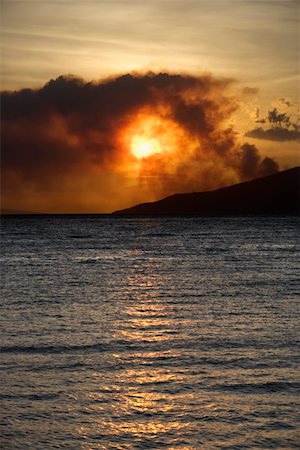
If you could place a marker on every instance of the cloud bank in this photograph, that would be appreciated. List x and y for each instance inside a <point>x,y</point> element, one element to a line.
<point>279,134</point>
<point>281,127</point>
<point>66,147</point>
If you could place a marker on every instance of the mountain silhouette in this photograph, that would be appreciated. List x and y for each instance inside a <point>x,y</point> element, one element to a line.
<point>270,195</point>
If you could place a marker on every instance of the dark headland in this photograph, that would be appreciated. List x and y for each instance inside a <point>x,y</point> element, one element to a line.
<point>274,194</point>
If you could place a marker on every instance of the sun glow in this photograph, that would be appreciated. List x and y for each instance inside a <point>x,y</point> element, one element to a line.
<point>143,147</point>
<point>152,144</point>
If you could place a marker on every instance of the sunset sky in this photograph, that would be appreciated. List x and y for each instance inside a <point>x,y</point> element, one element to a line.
<point>221,104</point>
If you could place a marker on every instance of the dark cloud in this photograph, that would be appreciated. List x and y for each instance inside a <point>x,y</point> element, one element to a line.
<point>268,166</point>
<point>281,127</point>
<point>65,146</point>
<point>277,118</point>
<point>252,164</point>
<point>274,134</point>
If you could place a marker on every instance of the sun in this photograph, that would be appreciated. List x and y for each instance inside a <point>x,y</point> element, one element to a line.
<point>143,147</point>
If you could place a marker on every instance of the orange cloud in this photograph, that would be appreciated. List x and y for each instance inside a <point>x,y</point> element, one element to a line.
<point>73,146</point>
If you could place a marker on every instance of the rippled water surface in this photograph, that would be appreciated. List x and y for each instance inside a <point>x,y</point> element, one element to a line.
<point>149,333</point>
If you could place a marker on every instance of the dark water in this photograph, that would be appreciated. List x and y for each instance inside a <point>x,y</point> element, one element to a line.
<point>149,333</point>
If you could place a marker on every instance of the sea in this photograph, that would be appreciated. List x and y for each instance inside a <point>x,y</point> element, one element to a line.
<point>149,332</point>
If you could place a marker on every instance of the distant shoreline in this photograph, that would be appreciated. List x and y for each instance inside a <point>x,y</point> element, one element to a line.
<point>273,195</point>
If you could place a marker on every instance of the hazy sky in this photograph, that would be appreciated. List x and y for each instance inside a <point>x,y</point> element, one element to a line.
<point>254,42</point>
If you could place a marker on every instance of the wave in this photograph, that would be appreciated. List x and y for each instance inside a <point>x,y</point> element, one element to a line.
<point>33,349</point>
<point>268,387</point>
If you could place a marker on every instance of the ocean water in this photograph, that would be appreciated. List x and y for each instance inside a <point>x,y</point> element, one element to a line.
<point>149,333</point>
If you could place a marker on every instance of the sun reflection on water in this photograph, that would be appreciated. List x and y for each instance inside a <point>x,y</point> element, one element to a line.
<point>158,386</point>
<point>143,406</point>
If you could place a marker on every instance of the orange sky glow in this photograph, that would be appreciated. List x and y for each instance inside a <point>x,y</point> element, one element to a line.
<point>185,97</point>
